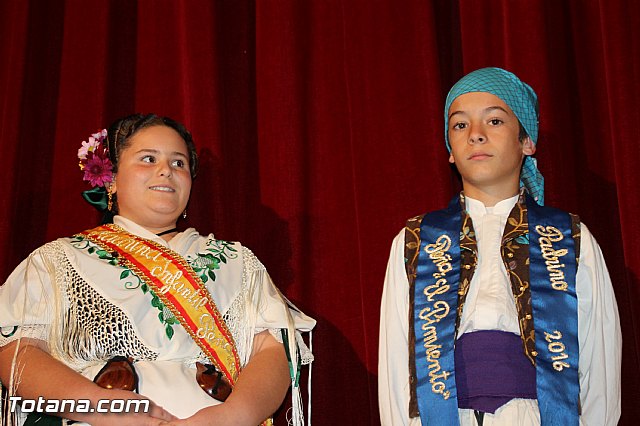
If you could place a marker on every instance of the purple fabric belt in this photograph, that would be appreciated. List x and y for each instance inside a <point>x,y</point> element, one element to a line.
<point>491,370</point>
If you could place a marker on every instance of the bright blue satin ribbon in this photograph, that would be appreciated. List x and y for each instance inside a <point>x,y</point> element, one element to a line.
<point>435,331</point>
<point>555,314</point>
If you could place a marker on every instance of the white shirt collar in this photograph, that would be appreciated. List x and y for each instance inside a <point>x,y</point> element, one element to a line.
<point>138,230</point>
<point>134,228</point>
<point>503,208</point>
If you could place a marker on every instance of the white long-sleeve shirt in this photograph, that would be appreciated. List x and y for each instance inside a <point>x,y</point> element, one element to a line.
<point>490,306</point>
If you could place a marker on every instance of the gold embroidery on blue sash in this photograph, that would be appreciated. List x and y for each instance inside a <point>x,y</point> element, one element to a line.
<point>552,257</point>
<point>432,315</point>
<point>556,347</point>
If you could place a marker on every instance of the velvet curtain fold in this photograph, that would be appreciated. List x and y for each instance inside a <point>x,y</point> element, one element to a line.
<point>320,129</point>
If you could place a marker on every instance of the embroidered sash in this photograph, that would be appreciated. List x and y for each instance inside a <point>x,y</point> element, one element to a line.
<point>552,272</point>
<point>180,289</point>
<point>555,314</point>
<point>435,307</point>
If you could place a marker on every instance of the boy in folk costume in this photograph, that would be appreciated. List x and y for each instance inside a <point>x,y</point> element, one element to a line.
<point>497,310</point>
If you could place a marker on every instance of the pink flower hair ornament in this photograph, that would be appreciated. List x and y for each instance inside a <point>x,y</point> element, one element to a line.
<point>97,169</point>
<point>94,160</point>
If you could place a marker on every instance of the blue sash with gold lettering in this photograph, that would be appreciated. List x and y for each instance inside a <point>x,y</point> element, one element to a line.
<point>554,301</point>
<point>435,305</point>
<point>554,304</point>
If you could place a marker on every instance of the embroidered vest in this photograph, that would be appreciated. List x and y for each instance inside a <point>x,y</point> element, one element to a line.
<point>515,250</point>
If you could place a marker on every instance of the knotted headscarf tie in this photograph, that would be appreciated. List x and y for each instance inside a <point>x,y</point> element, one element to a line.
<point>522,100</point>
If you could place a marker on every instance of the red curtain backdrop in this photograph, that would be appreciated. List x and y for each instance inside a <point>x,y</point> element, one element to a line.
<point>320,129</point>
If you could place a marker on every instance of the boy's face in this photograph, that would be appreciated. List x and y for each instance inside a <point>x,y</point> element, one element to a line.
<point>483,133</point>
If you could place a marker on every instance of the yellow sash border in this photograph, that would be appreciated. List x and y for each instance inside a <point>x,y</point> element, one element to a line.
<point>191,303</point>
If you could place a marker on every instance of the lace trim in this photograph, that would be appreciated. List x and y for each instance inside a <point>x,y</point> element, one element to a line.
<point>91,328</point>
<point>306,356</point>
<point>251,265</point>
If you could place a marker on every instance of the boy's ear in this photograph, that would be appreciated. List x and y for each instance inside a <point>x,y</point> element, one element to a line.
<point>528,147</point>
<point>451,159</point>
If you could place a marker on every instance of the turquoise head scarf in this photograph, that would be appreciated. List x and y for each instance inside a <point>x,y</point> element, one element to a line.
<point>522,100</point>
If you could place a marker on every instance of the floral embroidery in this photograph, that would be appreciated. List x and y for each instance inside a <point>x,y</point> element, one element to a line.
<point>467,233</point>
<point>131,281</point>
<point>205,263</point>
<point>411,253</point>
<point>81,243</point>
<point>468,260</point>
<point>515,254</point>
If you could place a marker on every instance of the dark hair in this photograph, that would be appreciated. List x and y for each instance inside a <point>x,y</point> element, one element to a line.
<point>121,131</point>
<point>522,133</point>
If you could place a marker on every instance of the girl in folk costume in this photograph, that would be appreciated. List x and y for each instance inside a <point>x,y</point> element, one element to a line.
<point>189,327</point>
